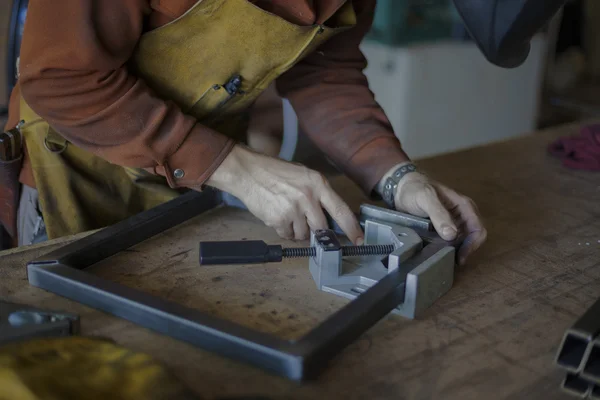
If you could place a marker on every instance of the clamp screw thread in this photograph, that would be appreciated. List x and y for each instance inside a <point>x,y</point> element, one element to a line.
<point>347,251</point>
<point>299,252</point>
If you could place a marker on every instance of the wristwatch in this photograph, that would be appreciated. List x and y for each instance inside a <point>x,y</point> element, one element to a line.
<point>391,183</point>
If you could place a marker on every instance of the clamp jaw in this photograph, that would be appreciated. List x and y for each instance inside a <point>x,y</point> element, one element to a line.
<point>350,276</point>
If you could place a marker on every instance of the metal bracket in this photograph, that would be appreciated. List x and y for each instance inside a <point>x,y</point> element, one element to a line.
<point>64,272</point>
<point>20,322</point>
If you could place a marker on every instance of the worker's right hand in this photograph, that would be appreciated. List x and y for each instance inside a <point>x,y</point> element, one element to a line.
<point>286,196</point>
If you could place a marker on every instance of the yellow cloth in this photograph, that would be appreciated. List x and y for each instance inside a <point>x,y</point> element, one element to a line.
<point>83,368</point>
<point>188,61</point>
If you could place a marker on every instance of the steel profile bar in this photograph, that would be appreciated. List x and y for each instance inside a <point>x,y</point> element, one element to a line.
<point>63,272</point>
<point>576,386</point>
<point>591,363</point>
<point>573,349</point>
<point>595,393</point>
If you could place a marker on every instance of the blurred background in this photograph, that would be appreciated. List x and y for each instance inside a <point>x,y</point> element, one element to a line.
<point>435,86</point>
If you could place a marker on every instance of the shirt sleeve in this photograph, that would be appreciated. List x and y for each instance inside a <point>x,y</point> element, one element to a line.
<point>73,73</point>
<point>336,108</point>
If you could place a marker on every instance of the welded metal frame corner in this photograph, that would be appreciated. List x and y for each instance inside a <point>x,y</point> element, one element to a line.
<point>63,272</point>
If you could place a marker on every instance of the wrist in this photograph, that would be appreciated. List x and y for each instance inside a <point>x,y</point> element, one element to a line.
<point>227,176</point>
<point>389,185</point>
<point>380,185</point>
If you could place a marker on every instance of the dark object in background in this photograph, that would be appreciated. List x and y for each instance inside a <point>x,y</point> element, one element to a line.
<point>580,151</point>
<point>5,239</point>
<point>503,29</point>
<point>12,20</point>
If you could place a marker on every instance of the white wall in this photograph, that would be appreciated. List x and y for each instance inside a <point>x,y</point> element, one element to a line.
<point>445,96</point>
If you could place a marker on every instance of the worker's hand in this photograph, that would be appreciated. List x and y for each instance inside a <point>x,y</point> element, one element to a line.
<point>452,214</point>
<point>286,196</point>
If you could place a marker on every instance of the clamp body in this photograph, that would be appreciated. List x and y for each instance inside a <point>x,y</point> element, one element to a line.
<point>350,276</point>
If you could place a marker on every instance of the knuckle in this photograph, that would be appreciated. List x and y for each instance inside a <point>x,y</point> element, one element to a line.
<point>304,197</point>
<point>277,222</point>
<point>484,235</point>
<point>468,201</point>
<point>318,178</point>
<point>427,192</point>
<point>301,235</point>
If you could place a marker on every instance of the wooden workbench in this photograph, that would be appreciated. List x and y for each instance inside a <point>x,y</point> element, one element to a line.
<point>494,336</point>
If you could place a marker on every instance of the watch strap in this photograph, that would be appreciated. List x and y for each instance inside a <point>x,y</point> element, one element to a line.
<point>391,183</point>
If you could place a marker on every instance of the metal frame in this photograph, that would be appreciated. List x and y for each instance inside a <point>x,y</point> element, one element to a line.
<point>63,272</point>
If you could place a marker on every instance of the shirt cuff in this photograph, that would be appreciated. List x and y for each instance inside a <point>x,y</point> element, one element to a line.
<point>196,159</point>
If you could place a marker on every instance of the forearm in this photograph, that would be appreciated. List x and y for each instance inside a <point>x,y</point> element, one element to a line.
<point>337,110</point>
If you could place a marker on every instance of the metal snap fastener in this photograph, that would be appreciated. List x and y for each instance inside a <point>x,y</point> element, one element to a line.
<point>178,173</point>
<point>52,148</point>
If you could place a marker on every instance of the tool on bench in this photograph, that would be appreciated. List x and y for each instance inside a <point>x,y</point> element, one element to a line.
<point>579,355</point>
<point>391,239</point>
<point>20,322</point>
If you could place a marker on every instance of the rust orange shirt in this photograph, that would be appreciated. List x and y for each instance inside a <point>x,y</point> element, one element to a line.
<point>73,73</point>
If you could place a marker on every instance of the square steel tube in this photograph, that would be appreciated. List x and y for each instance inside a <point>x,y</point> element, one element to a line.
<point>63,272</point>
<point>577,341</point>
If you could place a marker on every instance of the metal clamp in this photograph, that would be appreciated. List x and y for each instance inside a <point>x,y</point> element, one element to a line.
<point>350,277</point>
<point>20,322</point>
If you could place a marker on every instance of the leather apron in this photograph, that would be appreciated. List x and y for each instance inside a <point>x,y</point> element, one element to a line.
<point>193,61</point>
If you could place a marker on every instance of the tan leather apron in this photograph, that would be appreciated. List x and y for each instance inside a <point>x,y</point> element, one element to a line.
<point>213,61</point>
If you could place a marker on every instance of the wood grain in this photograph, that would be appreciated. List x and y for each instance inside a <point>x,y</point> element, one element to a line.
<point>493,336</point>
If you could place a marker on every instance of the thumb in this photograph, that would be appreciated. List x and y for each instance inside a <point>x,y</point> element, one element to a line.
<point>439,215</point>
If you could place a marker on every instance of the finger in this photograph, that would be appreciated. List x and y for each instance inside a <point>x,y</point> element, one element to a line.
<point>285,232</point>
<point>301,230</point>
<point>315,217</point>
<point>439,214</point>
<point>468,214</point>
<point>342,214</point>
<point>477,234</point>
<point>472,242</point>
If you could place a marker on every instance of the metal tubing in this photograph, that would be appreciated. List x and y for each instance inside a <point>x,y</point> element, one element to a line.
<point>346,325</point>
<point>576,386</point>
<point>595,394</point>
<point>573,348</point>
<point>183,323</point>
<point>383,214</point>
<point>131,231</point>
<point>591,364</point>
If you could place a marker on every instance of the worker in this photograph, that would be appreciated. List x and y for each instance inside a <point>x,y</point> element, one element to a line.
<point>127,103</point>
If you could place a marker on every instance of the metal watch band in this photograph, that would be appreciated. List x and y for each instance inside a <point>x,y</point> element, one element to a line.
<point>391,183</point>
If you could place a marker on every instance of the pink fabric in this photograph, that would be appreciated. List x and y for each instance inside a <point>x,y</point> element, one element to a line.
<point>580,151</point>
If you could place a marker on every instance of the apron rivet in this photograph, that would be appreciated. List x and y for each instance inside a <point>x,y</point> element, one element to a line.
<point>178,173</point>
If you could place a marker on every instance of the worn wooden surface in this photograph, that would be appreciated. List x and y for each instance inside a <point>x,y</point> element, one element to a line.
<point>493,336</point>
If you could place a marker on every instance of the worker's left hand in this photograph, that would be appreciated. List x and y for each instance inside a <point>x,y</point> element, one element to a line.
<point>452,214</point>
